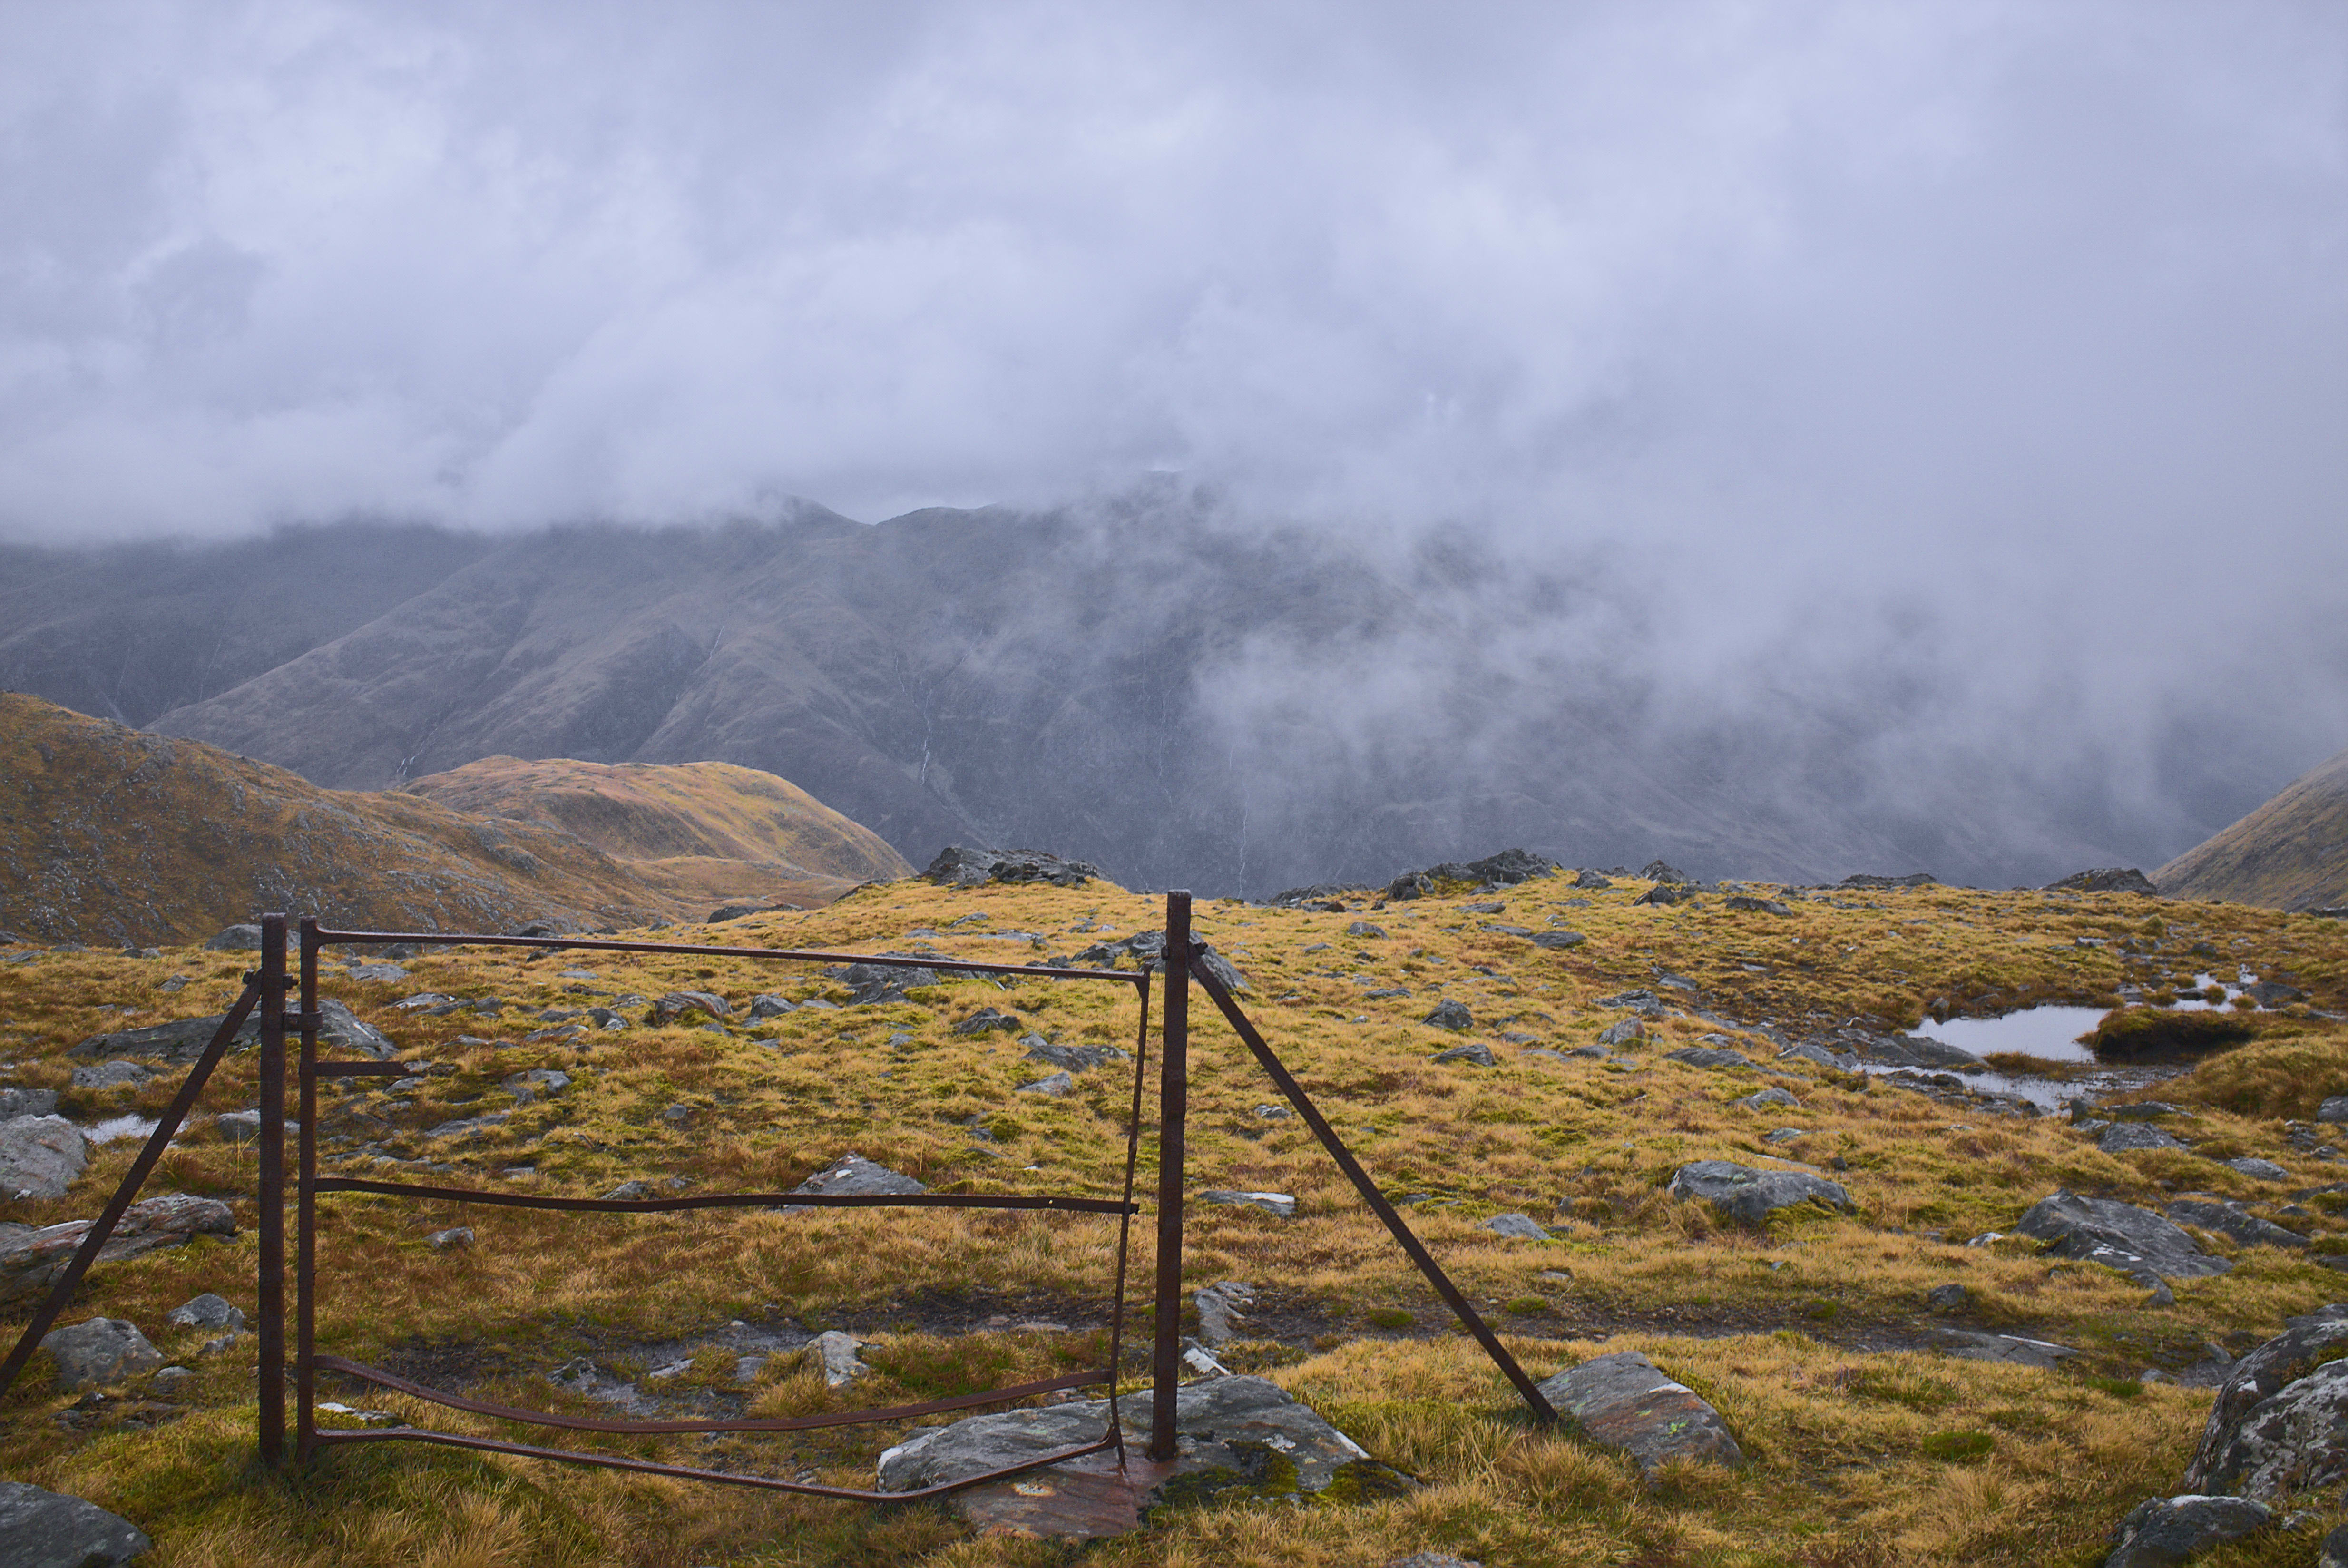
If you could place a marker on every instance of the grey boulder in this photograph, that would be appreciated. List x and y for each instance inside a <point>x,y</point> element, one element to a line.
<point>2258,1170</point>
<point>100,1351</point>
<point>182,1040</point>
<point>50,1529</point>
<point>1748,1196</point>
<point>2121,1137</point>
<point>1280,1204</point>
<point>235,939</point>
<point>1056,1085</point>
<point>40,1155</point>
<point>676,1005</point>
<point>1704,1056</point>
<point>1624,1400</point>
<point>2266,1415</point>
<point>1220,1309</point>
<point>16,1102</point>
<point>2118,1235</point>
<point>1450,1015</point>
<point>1621,1032</point>
<point>2162,1531</point>
<point>2226,1220</point>
<point>111,1074</point>
<point>1517,1227</point>
<point>1764,1099</point>
<point>852,1175</point>
<point>1073,1058</point>
<point>31,1261</point>
<point>533,1082</point>
<point>206,1310</point>
<point>832,1356</point>
<point>1475,1053</point>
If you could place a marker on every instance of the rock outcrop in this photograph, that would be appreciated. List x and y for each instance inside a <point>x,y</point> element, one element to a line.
<point>1749,1197</point>
<point>1625,1401</point>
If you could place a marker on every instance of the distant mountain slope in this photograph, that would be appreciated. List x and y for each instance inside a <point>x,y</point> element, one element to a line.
<point>690,821</point>
<point>111,835</point>
<point>2289,854</point>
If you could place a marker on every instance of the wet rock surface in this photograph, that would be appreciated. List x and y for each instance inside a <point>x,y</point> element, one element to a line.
<point>31,1259</point>
<point>1749,1197</point>
<point>2118,1235</point>
<point>42,1529</point>
<point>1626,1401</point>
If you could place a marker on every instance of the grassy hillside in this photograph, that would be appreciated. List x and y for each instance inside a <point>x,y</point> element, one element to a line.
<point>2289,854</point>
<point>110,835</point>
<point>1811,1336</point>
<point>697,828</point>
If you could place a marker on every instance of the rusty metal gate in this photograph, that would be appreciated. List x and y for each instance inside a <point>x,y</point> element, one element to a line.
<point>266,989</point>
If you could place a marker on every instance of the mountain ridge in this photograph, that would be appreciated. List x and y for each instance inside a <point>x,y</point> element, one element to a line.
<point>2291,853</point>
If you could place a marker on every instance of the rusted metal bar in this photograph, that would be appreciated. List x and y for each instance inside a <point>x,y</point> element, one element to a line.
<point>305,1223</point>
<point>730,1200</point>
<point>686,1473</point>
<point>1173,1100</point>
<point>271,1290</point>
<point>1125,1220</point>
<point>166,1127</point>
<point>607,944</point>
<point>1384,1210</point>
<point>399,1384</point>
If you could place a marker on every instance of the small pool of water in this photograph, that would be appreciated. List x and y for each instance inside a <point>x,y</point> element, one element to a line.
<point>116,1127</point>
<point>2050,1032</point>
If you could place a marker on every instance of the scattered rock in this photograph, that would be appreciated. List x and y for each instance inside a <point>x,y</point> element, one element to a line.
<point>1276,1204</point>
<point>1516,1228</point>
<point>16,1102</point>
<point>244,1127</point>
<point>1767,1097</point>
<point>1704,1056</point>
<point>2118,1235</point>
<point>1559,939</point>
<point>1219,1307</point>
<point>1475,1054</point>
<point>180,1041</point>
<point>1364,928</point>
<point>1811,1051</point>
<point>676,1005</point>
<point>1624,1400</point>
<point>30,1261</point>
<point>1274,1113</point>
<point>987,1018</point>
<point>1886,885</point>
<point>1230,1432</point>
<point>1506,869</point>
<point>1662,871</point>
<point>957,866</point>
<point>1449,1015</point>
<point>2274,994</point>
<point>235,939</point>
<point>1073,1058</point>
<point>2010,1348</point>
<point>1056,1085</point>
<point>1664,892</point>
<point>2121,1137</point>
<point>1587,878</point>
<point>40,1155</point>
<point>1949,1297</point>
<point>2334,1109</point>
<point>100,1351</point>
<point>1621,1032</point>
<point>449,1240</point>
<point>463,1127</point>
<point>635,1192</point>
<point>206,1310</point>
<point>852,1175</point>
<point>2161,1531</point>
<point>1758,905</point>
<point>2335,1545</point>
<point>2141,1111</point>
<point>2258,1170</point>
<point>1747,1196</point>
<point>533,1082</point>
<point>2230,1222</point>
<point>109,1075</point>
<point>1783,1134</point>
<point>50,1529</point>
<point>833,1355</point>
<point>725,912</point>
<point>2105,878</point>
<point>766,1005</point>
<point>677,1115</point>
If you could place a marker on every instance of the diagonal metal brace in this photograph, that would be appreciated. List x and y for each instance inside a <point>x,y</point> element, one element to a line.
<point>1542,1410</point>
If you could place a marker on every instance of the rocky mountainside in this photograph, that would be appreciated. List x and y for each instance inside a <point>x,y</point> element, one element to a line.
<point>1149,685</point>
<point>109,835</point>
<point>2289,854</point>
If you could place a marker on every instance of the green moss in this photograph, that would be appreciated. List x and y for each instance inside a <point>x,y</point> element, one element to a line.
<point>1959,1447</point>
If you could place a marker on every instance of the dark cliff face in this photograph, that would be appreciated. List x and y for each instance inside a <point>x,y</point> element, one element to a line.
<point>1148,686</point>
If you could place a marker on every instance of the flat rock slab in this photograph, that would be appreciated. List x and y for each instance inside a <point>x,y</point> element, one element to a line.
<point>2118,1236</point>
<point>2010,1348</point>
<point>1747,1196</point>
<point>1239,1437</point>
<point>38,1529</point>
<point>31,1260</point>
<point>2227,1221</point>
<point>40,1155</point>
<point>2121,1137</point>
<point>182,1040</point>
<point>1704,1056</point>
<point>1626,1401</point>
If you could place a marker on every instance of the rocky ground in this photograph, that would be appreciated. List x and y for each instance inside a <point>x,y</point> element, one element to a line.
<point>1632,1115</point>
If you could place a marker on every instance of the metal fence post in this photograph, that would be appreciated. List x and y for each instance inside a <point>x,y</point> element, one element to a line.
<point>271,1285</point>
<point>305,1207</point>
<point>1173,1100</point>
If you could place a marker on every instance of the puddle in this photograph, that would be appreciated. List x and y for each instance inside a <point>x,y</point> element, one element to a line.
<point>2052,1033</point>
<point>2049,1032</point>
<point>114,1129</point>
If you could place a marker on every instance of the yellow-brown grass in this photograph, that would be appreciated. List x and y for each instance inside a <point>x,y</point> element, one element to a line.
<point>1859,1454</point>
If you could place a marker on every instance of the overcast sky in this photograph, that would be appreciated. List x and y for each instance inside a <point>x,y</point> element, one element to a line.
<point>2037,304</point>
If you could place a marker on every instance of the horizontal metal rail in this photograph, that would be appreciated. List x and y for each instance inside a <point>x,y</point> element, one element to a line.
<point>731,1200</point>
<point>607,944</point>
<point>686,1473</point>
<point>1002,1396</point>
